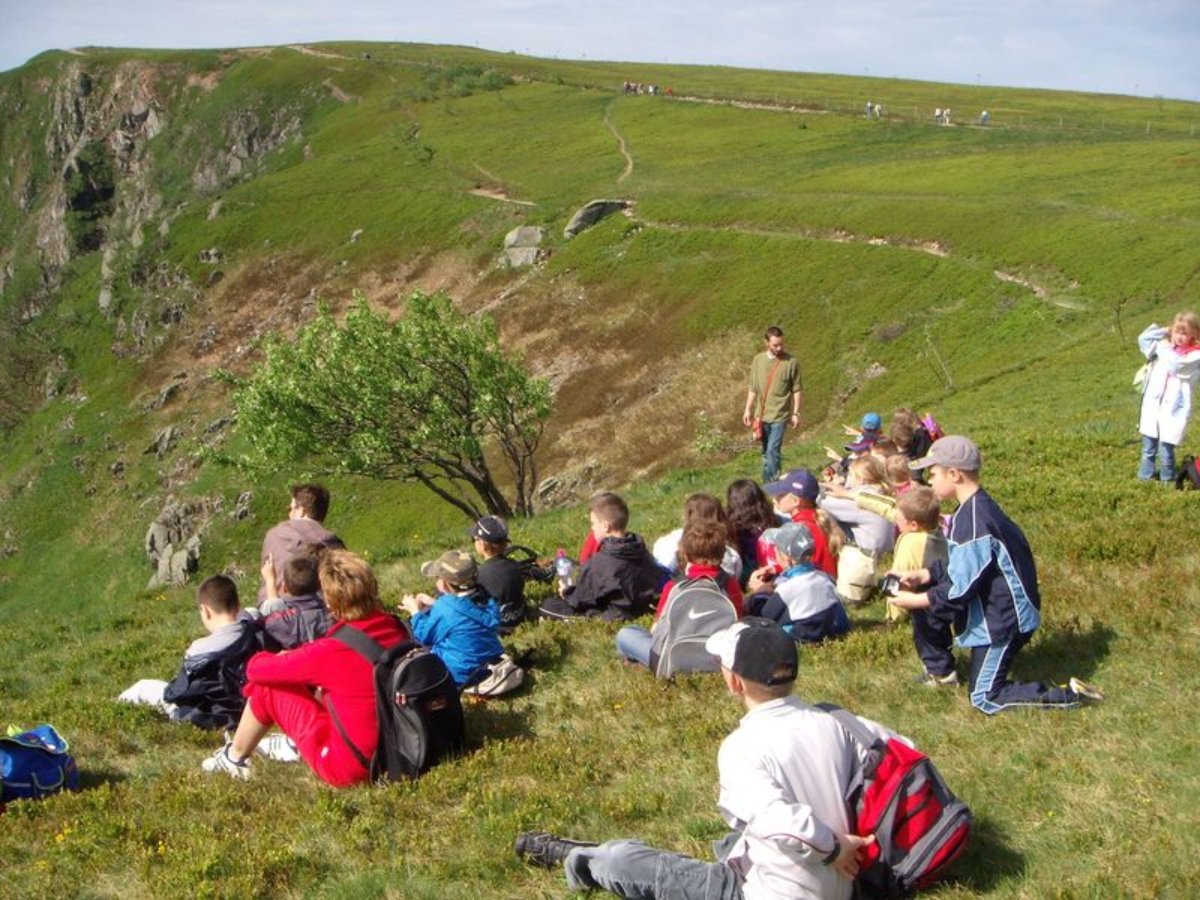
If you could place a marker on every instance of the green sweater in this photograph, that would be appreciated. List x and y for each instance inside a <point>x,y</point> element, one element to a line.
<point>786,382</point>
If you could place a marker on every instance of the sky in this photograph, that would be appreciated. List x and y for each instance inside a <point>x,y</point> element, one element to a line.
<point>1143,47</point>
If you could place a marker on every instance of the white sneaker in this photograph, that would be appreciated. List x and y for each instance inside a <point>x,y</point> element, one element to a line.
<point>222,761</point>
<point>1085,690</point>
<point>279,747</point>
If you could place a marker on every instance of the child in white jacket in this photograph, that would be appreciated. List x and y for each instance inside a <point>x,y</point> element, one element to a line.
<point>1174,364</point>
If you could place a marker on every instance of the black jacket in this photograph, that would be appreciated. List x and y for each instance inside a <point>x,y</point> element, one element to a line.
<point>619,581</point>
<point>303,619</point>
<point>208,689</point>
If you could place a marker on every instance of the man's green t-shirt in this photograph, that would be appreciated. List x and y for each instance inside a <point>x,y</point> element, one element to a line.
<point>786,382</point>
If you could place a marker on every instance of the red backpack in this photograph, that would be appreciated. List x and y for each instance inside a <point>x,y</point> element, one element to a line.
<point>920,827</point>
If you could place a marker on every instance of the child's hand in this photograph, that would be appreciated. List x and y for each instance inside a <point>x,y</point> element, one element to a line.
<point>850,432</point>
<point>909,600</point>
<point>761,580</point>
<point>414,603</point>
<point>846,863</point>
<point>913,578</point>
<point>268,576</point>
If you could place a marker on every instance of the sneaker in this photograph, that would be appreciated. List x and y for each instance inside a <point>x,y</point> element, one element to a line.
<point>221,761</point>
<point>930,680</point>
<point>540,848</point>
<point>1083,689</point>
<point>279,747</point>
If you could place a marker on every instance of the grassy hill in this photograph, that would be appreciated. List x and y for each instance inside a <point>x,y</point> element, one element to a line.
<point>994,275</point>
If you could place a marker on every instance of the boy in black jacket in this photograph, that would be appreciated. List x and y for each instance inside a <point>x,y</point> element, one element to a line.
<point>207,691</point>
<point>620,581</point>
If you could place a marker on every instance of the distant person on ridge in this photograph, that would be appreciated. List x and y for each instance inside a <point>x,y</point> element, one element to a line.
<point>303,526</point>
<point>773,399</point>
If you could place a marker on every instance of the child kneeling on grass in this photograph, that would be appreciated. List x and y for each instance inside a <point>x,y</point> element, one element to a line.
<point>208,689</point>
<point>987,590</point>
<point>784,776</point>
<point>304,690</point>
<point>461,624</point>
<point>703,548</point>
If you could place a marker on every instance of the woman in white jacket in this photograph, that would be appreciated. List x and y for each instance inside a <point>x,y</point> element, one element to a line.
<point>1174,358</point>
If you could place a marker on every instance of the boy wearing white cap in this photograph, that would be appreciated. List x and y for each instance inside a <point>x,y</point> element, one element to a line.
<point>784,774</point>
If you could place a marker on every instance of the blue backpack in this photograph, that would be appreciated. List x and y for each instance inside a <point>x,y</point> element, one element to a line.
<point>35,763</point>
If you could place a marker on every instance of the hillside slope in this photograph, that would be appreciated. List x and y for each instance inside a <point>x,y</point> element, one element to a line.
<point>159,211</point>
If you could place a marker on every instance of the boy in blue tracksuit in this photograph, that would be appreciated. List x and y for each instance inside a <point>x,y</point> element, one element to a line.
<point>461,625</point>
<point>988,592</point>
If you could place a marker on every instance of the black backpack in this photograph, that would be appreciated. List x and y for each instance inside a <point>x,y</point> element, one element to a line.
<point>416,702</point>
<point>1188,478</point>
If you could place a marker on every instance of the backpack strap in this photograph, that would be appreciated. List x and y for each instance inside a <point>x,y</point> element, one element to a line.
<point>370,649</point>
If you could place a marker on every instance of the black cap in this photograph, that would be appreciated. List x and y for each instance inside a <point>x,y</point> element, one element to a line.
<point>756,649</point>
<point>490,528</point>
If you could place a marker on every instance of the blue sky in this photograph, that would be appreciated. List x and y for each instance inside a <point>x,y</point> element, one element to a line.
<point>1147,47</point>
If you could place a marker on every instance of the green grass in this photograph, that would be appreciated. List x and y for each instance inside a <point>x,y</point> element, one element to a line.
<point>818,220</point>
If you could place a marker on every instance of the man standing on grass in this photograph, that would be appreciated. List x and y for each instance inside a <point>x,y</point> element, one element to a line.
<point>773,399</point>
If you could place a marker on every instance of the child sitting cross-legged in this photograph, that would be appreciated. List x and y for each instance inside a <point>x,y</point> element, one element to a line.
<point>703,547</point>
<point>461,624</point>
<point>803,599</point>
<point>207,691</point>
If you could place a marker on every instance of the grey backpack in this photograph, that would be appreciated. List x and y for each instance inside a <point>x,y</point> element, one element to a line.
<point>696,609</point>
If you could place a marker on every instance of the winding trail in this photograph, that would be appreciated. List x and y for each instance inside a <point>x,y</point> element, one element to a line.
<point>620,146</point>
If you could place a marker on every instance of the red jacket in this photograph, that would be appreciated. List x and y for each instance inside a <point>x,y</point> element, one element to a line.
<point>347,682</point>
<point>729,585</point>
<point>821,558</point>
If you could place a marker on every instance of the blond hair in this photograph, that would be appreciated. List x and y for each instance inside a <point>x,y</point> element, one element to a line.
<point>869,471</point>
<point>1188,319</point>
<point>897,468</point>
<point>350,589</point>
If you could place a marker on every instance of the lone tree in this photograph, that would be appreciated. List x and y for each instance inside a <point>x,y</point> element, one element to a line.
<point>428,398</point>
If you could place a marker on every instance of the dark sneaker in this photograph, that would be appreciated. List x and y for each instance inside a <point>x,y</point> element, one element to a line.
<point>935,681</point>
<point>1085,690</point>
<point>540,848</point>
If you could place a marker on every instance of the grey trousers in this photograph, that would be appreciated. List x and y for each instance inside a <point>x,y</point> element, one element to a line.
<point>631,869</point>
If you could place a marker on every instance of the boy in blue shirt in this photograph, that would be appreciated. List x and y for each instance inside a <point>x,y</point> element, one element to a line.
<point>460,624</point>
<point>988,591</point>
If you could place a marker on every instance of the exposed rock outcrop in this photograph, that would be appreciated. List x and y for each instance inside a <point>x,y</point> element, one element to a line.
<point>522,245</point>
<point>591,213</point>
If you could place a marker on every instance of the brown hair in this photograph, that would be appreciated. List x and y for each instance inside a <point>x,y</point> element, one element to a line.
<point>834,535</point>
<point>773,331</point>
<point>884,447</point>
<point>219,594</point>
<point>903,414</point>
<point>313,499</point>
<point>897,469</point>
<point>349,586</point>
<point>611,510</point>
<point>703,542</point>
<point>921,505</point>
<point>749,508</point>
<point>903,432</point>
<point>704,508</point>
<point>300,575</point>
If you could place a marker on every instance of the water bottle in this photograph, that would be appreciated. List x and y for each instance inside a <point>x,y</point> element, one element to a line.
<point>563,568</point>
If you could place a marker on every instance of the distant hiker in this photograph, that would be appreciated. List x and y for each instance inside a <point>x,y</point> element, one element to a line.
<point>878,110</point>
<point>870,108</point>
<point>499,577</point>
<point>1173,361</point>
<point>784,775</point>
<point>620,581</point>
<point>773,399</point>
<point>698,507</point>
<point>801,598</point>
<point>988,591</point>
<point>984,117</point>
<point>702,547</point>
<point>946,116</point>
<point>937,115</point>
<point>299,615</point>
<point>207,692</point>
<point>303,690</point>
<point>750,514</point>
<point>306,513</point>
<point>460,625</point>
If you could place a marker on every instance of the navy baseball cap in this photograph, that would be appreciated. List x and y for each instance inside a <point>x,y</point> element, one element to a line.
<point>800,482</point>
